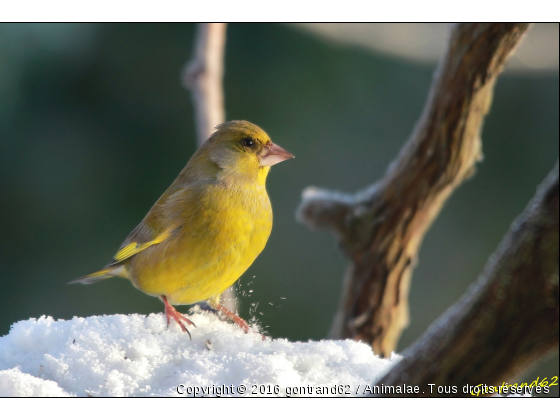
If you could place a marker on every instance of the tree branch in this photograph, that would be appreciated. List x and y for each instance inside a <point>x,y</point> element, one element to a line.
<point>204,75</point>
<point>381,228</point>
<point>507,320</point>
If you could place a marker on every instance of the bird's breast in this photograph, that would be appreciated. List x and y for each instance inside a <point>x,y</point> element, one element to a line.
<point>221,234</point>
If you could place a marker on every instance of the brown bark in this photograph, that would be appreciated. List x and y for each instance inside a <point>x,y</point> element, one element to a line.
<point>381,228</point>
<point>507,320</point>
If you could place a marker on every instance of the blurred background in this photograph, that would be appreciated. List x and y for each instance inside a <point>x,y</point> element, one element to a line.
<point>94,126</point>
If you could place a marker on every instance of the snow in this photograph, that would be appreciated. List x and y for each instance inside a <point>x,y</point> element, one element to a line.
<point>137,355</point>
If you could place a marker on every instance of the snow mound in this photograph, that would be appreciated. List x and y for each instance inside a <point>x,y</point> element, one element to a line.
<point>137,355</point>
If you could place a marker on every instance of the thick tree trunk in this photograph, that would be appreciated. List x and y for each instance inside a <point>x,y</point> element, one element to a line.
<point>381,228</point>
<point>506,321</point>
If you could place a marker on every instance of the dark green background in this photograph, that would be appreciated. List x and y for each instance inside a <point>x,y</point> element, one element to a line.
<point>94,126</point>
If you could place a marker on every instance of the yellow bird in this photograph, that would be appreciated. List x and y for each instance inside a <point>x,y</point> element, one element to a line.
<point>207,228</point>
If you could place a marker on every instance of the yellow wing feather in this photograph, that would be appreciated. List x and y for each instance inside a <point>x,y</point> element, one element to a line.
<point>116,268</point>
<point>134,248</point>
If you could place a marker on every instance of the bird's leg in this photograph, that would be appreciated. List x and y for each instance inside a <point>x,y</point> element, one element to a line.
<point>238,320</point>
<point>171,312</point>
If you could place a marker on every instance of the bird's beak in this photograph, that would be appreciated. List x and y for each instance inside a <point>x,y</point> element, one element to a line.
<point>273,154</point>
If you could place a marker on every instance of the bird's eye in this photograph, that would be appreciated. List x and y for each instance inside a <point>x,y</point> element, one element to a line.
<point>248,142</point>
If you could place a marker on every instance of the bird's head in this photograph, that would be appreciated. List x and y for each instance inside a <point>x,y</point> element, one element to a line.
<point>240,148</point>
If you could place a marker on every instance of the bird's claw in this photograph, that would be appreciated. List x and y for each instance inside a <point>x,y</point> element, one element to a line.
<point>171,312</point>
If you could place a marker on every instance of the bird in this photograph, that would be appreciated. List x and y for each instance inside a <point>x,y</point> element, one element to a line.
<point>207,228</point>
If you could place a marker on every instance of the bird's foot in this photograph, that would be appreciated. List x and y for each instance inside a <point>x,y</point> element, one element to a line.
<point>171,312</point>
<point>237,319</point>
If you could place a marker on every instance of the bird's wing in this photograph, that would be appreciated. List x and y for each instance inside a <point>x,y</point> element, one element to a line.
<point>158,225</point>
<point>136,242</point>
<point>129,249</point>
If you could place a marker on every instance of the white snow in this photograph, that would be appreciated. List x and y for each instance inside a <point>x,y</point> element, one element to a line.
<point>137,355</point>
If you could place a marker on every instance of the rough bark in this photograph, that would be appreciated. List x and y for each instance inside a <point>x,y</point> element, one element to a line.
<point>507,320</point>
<point>204,75</point>
<point>381,228</point>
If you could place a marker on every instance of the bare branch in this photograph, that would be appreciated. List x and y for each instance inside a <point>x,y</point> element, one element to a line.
<point>204,77</point>
<point>381,228</point>
<point>507,320</point>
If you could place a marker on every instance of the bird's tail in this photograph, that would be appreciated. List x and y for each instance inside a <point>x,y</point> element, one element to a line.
<point>103,274</point>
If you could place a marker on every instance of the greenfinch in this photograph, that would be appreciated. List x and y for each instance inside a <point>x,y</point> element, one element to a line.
<point>207,228</point>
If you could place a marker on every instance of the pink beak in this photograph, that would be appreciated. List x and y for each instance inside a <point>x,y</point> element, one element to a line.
<point>273,154</point>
